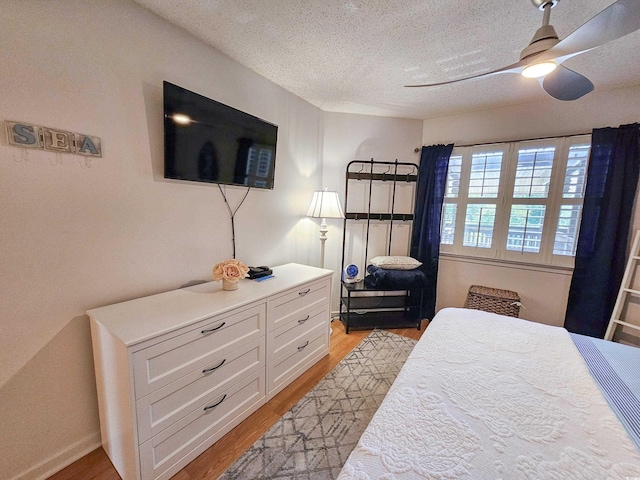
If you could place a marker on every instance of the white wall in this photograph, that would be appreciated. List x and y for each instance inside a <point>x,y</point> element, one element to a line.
<point>360,137</point>
<point>544,293</point>
<point>74,238</point>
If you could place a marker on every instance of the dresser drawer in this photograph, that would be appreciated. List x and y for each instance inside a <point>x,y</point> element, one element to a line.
<point>167,452</point>
<point>297,356</point>
<point>159,365</point>
<point>297,327</point>
<point>293,305</point>
<point>158,410</point>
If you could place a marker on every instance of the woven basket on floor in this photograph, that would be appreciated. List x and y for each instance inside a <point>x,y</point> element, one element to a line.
<point>495,300</point>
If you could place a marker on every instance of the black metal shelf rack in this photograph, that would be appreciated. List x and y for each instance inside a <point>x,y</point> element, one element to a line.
<point>363,307</point>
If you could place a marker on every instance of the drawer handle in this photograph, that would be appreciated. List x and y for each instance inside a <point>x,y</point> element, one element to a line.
<point>303,346</point>
<point>301,321</point>
<point>215,404</point>
<point>209,370</point>
<point>204,332</point>
<point>302,294</point>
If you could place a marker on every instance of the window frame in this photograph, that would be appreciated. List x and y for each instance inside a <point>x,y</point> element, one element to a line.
<point>504,201</point>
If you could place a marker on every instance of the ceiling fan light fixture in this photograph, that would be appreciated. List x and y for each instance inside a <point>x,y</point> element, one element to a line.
<point>538,70</point>
<point>540,4</point>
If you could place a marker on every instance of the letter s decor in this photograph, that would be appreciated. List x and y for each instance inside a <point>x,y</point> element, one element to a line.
<point>22,134</point>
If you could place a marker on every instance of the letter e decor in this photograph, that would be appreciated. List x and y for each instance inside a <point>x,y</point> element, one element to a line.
<point>21,134</point>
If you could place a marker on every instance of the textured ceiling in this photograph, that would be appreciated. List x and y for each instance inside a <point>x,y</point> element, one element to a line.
<point>355,56</point>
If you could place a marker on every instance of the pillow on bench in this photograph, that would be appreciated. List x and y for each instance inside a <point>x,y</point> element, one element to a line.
<point>396,262</point>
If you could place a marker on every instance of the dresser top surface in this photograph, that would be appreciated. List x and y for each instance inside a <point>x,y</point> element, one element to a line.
<point>144,318</point>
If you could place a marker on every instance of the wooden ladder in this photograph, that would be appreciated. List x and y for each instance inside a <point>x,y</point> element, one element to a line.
<point>625,291</point>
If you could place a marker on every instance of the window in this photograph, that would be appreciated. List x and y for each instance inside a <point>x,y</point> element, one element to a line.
<point>516,201</point>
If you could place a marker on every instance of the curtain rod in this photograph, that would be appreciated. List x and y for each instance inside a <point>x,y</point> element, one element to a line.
<point>417,149</point>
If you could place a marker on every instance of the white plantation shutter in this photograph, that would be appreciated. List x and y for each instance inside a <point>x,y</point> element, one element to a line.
<point>568,226</point>
<point>451,194</point>
<point>525,228</point>
<point>478,225</point>
<point>520,201</point>
<point>470,211</point>
<point>485,175</point>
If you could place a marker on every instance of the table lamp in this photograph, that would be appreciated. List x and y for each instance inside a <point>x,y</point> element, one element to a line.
<point>324,205</point>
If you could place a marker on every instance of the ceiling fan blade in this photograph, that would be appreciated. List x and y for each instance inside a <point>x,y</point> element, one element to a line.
<point>565,84</point>
<point>617,20</point>
<point>515,68</point>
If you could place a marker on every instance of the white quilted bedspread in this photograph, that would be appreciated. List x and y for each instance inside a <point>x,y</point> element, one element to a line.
<point>484,396</point>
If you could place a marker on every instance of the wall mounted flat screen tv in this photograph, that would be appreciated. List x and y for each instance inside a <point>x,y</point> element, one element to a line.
<point>207,141</point>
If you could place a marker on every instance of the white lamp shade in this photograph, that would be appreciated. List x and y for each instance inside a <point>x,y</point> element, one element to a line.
<point>325,205</point>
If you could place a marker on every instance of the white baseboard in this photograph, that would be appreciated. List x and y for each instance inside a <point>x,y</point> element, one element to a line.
<point>62,459</point>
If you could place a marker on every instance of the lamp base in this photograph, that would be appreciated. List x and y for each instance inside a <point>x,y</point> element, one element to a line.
<point>323,238</point>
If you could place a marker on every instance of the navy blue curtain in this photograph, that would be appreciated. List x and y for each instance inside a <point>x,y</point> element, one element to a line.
<point>612,180</point>
<point>425,238</point>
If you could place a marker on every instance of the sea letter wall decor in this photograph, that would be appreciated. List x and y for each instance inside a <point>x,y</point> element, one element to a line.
<point>21,134</point>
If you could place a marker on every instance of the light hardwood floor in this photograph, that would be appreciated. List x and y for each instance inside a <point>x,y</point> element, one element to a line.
<point>224,452</point>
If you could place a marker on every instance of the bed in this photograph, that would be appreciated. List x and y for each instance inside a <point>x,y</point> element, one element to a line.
<point>484,396</point>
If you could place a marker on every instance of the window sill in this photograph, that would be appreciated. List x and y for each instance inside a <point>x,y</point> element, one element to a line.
<point>560,270</point>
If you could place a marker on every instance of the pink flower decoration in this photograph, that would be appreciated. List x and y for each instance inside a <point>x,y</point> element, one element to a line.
<point>230,270</point>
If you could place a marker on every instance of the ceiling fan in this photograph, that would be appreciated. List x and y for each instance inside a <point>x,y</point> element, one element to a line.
<point>544,55</point>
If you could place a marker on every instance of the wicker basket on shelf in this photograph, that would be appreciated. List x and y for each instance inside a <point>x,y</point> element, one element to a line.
<point>495,300</point>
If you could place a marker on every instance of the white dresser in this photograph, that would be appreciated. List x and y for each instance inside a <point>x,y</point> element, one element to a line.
<point>178,370</point>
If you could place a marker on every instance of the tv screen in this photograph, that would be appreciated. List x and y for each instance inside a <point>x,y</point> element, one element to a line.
<point>207,141</point>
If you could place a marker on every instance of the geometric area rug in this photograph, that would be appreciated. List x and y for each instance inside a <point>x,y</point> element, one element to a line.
<point>314,438</point>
